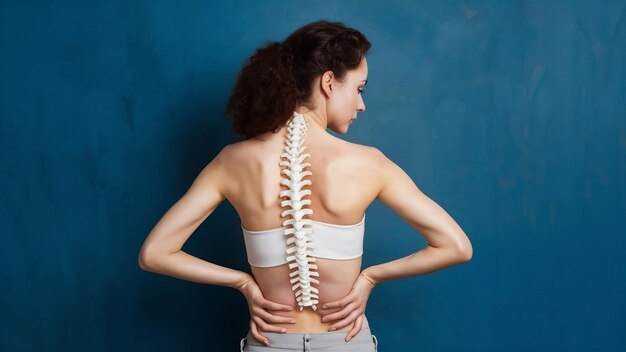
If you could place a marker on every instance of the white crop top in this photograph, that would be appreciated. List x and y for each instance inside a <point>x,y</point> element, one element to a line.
<point>268,248</point>
<point>299,241</point>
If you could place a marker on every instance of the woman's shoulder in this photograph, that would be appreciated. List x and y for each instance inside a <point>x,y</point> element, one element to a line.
<point>336,145</point>
<point>362,152</point>
<point>243,149</point>
<point>337,151</point>
<point>366,153</point>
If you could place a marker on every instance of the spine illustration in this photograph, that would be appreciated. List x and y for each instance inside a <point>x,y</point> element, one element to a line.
<point>300,240</point>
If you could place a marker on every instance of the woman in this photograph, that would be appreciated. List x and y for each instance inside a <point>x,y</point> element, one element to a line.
<point>301,195</point>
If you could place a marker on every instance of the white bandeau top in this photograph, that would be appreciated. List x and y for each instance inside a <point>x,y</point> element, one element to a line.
<point>267,248</point>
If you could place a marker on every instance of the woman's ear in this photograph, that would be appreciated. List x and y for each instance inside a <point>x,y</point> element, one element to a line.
<point>327,81</point>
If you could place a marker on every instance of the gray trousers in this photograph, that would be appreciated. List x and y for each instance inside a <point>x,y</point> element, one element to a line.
<point>364,341</point>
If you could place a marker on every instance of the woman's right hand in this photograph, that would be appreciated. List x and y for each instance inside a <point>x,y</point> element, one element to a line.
<point>259,308</point>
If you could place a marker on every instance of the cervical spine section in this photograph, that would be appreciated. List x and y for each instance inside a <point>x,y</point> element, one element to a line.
<point>298,230</point>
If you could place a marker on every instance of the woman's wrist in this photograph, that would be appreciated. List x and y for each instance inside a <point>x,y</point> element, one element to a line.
<point>242,283</point>
<point>369,278</point>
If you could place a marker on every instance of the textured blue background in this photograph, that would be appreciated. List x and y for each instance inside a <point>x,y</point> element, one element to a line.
<point>511,115</point>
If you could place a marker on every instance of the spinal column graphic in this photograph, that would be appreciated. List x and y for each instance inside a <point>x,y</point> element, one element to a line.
<point>298,230</point>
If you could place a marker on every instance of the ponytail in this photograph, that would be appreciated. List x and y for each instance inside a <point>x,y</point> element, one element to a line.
<point>264,96</point>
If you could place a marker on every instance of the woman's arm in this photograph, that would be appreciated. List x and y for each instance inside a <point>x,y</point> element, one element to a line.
<point>161,251</point>
<point>187,267</point>
<point>447,243</point>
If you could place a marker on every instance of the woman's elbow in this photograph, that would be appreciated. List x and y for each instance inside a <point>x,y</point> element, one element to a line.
<point>145,260</point>
<point>143,263</point>
<point>464,248</point>
<point>466,252</point>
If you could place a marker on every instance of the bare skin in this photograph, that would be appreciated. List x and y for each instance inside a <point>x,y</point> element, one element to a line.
<point>346,179</point>
<point>344,182</point>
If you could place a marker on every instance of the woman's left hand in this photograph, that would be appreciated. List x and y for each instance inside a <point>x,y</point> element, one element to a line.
<point>353,304</point>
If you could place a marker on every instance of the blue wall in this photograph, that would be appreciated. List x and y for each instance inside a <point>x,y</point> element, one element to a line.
<point>511,115</point>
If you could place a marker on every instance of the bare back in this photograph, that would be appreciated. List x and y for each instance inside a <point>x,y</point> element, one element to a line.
<point>344,183</point>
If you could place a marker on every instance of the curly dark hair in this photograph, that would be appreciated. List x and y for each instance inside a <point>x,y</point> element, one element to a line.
<point>279,76</point>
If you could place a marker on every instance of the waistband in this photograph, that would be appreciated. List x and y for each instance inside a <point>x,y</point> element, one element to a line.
<point>317,340</point>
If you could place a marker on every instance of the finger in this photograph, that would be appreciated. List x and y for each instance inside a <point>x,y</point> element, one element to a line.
<point>256,334</point>
<point>275,306</point>
<point>345,322</point>
<point>335,304</point>
<point>267,327</point>
<point>339,314</point>
<point>271,318</point>
<point>358,323</point>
